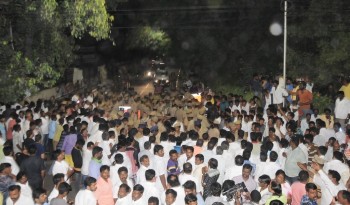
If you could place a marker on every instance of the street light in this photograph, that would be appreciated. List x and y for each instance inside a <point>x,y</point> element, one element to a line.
<point>285,43</point>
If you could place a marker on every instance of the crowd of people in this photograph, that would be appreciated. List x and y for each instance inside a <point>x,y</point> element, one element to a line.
<point>174,149</point>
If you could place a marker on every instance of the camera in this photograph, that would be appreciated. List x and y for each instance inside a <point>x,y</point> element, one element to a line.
<point>231,193</point>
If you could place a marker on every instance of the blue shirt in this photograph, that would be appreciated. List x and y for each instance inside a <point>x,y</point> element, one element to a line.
<point>52,129</point>
<point>94,168</point>
<point>307,201</point>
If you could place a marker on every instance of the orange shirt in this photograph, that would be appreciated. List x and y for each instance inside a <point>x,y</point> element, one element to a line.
<point>103,193</point>
<point>305,96</point>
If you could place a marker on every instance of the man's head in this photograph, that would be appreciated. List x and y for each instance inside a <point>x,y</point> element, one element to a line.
<point>173,180</point>
<point>150,175</point>
<point>311,190</point>
<point>39,196</point>
<point>213,163</point>
<point>104,172</point>
<point>215,189</point>
<point>173,155</point>
<point>145,160</point>
<point>334,176</point>
<point>137,192</point>
<point>123,174</point>
<point>64,188</point>
<point>189,152</point>
<point>153,201</point>
<point>190,187</point>
<point>191,199</point>
<point>303,176</point>
<point>5,168</point>
<point>187,168</point>
<point>58,178</point>
<point>343,197</point>
<point>246,170</point>
<point>14,192</point>
<point>158,150</point>
<point>170,196</point>
<point>199,159</point>
<point>97,152</point>
<point>90,184</point>
<point>58,155</point>
<point>124,190</point>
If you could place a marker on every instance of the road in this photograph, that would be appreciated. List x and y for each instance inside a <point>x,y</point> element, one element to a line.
<point>144,89</point>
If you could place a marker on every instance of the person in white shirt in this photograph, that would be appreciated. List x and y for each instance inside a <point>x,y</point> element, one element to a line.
<point>338,163</point>
<point>86,196</point>
<point>124,195</point>
<point>140,175</point>
<point>146,131</point>
<point>150,184</point>
<point>122,178</point>
<point>137,195</point>
<point>235,170</point>
<point>61,166</point>
<point>342,109</point>
<point>208,153</point>
<point>9,159</point>
<point>215,195</point>
<point>87,155</point>
<point>174,183</point>
<point>198,173</point>
<point>39,196</point>
<point>170,197</point>
<point>57,179</point>
<point>15,196</point>
<point>186,175</point>
<point>160,166</point>
<point>17,139</point>
<point>147,151</point>
<point>222,163</point>
<point>339,133</point>
<point>278,93</point>
<point>22,181</point>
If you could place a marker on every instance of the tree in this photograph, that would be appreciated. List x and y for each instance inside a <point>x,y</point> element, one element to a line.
<point>37,41</point>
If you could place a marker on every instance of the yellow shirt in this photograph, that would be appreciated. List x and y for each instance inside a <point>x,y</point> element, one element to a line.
<point>346,90</point>
<point>59,130</point>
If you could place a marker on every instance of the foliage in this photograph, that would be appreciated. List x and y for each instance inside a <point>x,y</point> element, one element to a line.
<point>319,40</point>
<point>147,38</point>
<point>226,89</point>
<point>321,102</point>
<point>41,45</point>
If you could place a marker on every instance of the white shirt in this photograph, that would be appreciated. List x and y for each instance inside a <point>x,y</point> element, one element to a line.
<point>87,155</point>
<point>208,154</point>
<point>221,167</point>
<point>124,201</point>
<point>17,139</point>
<point>140,201</point>
<point>85,197</point>
<point>278,94</point>
<point>293,157</point>
<point>61,167</point>
<point>141,174</point>
<point>150,190</point>
<point>340,136</point>
<point>14,166</point>
<point>183,178</point>
<point>53,194</point>
<point>45,125</point>
<point>342,108</point>
<point>116,186</point>
<point>26,190</point>
<point>233,172</point>
<point>338,166</point>
<point>160,167</point>
<point>22,200</point>
<point>96,137</point>
<point>142,141</point>
<point>179,198</point>
<point>329,190</point>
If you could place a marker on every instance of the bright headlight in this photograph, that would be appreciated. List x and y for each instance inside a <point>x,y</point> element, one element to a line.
<point>149,73</point>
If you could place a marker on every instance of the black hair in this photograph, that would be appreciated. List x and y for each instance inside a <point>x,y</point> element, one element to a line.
<point>190,198</point>
<point>7,150</point>
<point>157,148</point>
<point>150,174</point>
<point>143,158</point>
<point>139,187</point>
<point>334,174</point>
<point>89,144</point>
<point>280,172</point>
<point>173,180</point>
<point>228,184</point>
<point>239,160</point>
<point>153,200</point>
<point>190,148</point>
<point>126,187</point>
<point>20,175</point>
<point>147,145</point>
<point>255,196</point>
<point>311,186</point>
<point>56,153</point>
<point>104,168</point>
<point>346,195</point>
<point>38,192</point>
<point>80,142</point>
<point>146,131</point>
<point>14,187</point>
<point>171,152</point>
<point>323,150</point>
<point>187,168</point>
<point>303,176</point>
<point>213,163</point>
<point>246,154</point>
<point>273,156</point>
<point>122,169</point>
<point>189,185</point>
<point>200,157</point>
<point>57,178</point>
<point>96,150</point>
<point>215,189</point>
<point>339,156</point>
<point>248,166</point>
<point>172,192</point>
<point>64,187</point>
<point>119,158</point>
<point>88,181</point>
<point>32,149</point>
<point>276,187</point>
<point>276,202</point>
<point>265,179</point>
